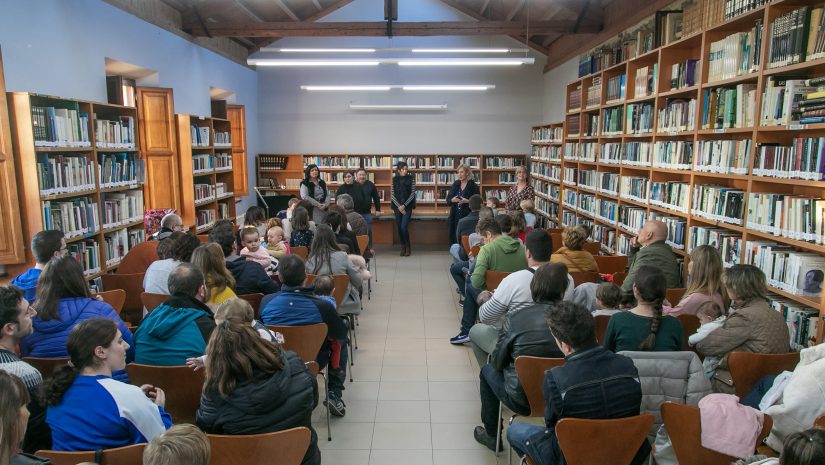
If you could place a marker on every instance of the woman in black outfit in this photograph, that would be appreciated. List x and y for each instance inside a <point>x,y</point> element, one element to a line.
<point>403,203</point>
<point>459,198</point>
<point>351,187</point>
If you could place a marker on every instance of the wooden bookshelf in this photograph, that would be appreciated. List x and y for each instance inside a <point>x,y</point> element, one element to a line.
<point>694,176</point>
<point>12,240</point>
<point>547,146</point>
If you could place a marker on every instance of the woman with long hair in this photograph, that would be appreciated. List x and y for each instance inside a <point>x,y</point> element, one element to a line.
<point>314,190</point>
<point>14,416</point>
<point>87,408</point>
<point>704,282</point>
<point>458,197</point>
<point>301,234</point>
<point>522,190</point>
<point>325,257</point>
<point>403,203</point>
<point>253,386</point>
<point>255,217</point>
<point>644,327</point>
<point>219,281</point>
<point>336,218</point>
<point>63,301</point>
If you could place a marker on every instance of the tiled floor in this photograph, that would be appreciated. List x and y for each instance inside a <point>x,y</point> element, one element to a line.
<point>414,398</point>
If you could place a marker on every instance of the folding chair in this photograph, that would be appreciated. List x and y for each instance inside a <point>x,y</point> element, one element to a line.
<point>465,243</point>
<point>286,447</point>
<point>127,455</point>
<point>493,278</point>
<point>675,295</point>
<point>619,439</point>
<point>46,366</point>
<point>255,301</point>
<point>181,384</point>
<point>152,301</point>
<point>611,264</point>
<point>300,251</point>
<point>592,247</point>
<point>601,326</point>
<point>132,310</point>
<point>340,293</point>
<point>746,368</point>
<point>585,277</point>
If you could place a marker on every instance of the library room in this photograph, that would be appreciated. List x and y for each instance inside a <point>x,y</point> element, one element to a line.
<point>424,232</point>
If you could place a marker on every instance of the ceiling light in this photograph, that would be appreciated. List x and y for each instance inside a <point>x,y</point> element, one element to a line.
<point>346,88</point>
<point>323,50</point>
<point>299,62</point>
<point>438,107</point>
<point>367,88</point>
<point>466,61</point>
<point>450,87</point>
<point>396,61</point>
<point>462,50</point>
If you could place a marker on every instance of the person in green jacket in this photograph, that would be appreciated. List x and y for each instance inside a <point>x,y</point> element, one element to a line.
<point>649,249</point>
<point>500,253</point>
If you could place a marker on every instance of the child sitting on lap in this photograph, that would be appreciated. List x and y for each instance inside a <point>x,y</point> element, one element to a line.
<point>711,317</point>
<point>253,251</point>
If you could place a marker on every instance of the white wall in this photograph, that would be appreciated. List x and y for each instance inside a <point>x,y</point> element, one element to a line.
<point>555,86</point>
<point>58,47</point>
<point>495,121</point>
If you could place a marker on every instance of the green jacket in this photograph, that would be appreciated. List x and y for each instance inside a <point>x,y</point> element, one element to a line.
<point>503,254</point>
<point>659,256</point>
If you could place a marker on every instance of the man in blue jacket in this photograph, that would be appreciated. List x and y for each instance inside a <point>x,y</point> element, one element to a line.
<point>296,305</point>
<point>180,327</point>
<point>45,245</point>
<point>250,277</point>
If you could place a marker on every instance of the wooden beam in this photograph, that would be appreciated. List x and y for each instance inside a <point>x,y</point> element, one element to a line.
<point>245,9</point>
<point>484,7</point>
<point>512,14</point>
<point>373,29</point>
<point>317,5</point>
<point>286,10</point>
<point>335,6</point>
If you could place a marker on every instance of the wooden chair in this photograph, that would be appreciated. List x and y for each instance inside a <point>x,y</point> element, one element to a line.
<point>611,264</point>
<point>300,251</point>
<point>286,447</point>
<point>181,384</point>
<point>592,247</point>
<point>675,295</point>
<point>132,283</point>
<point>493,278</point>
<point>601,327</point>
<point>580,277</point>
<point>746,368</point>
<point>618,278</point>
<point>819,423</point>
<point>475,249</point>
<point>152,301</point>
<point>619,439</point>
<point>46,366</point>
<point>363,244</point>
<point>690,323</point>
<point>139,257</point>
<point>127,455</point>
<point>255,301</point>
<point>684,428</point>
<point>116,298</point>
<point>204,238</point>
<point>554,230</point>
<point>341,286</point>
<point>465,243</point>
<point>557,242</point>
<point>313,368</point>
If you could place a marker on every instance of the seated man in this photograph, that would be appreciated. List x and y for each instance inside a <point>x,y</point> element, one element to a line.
<point>500,253</point>
<point>460,269</point>
<point>465,227</point>
<point>593,383</point>
<point>180,327</point>
<point>45,245</point>
<point>357,223</point>
<point>250,277</point>
<point>649,248</point>
<point>168,224</point>
<point>296,305</point>
<point>525,333</point>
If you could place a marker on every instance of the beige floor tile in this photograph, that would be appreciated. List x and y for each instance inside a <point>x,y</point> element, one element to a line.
<point>361,390</point>
<point>455,411</point>
<point>409,344</point>
<point>404,390</point>
<point>344,457</point>
<point>365,372</point>
<point>448,357</point>
<point>453,390</point>
<point>401,457</point>
<point>358,411</point>
<point>405,373</point>
<point>472,456</point>
<point>347,436</point>
<point>403,411</point>
<point>455,436</point>
<point>402,436</point>
<point>451,372</point>
<point>404,357</point>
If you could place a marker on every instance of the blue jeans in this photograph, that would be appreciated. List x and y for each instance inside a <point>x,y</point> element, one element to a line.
<point>337,375</point>
<point>468,319</point>
<point>403,222</point>
<point>518,435</point>
<point>459,275</point>
<point>454,252</point>
<point>368,219</point>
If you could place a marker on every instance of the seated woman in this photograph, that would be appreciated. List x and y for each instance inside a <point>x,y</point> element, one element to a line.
<point>644,327</point>
<point>572,255</point>
<point>14,419</point>
<point>63,301</point>
<point>704,282</point>
<point>751,326</point>
<point>326,258</point>
<point>253,386</point>
<point>344,231</point>
<point>219,281</point>
<point>87,409</point>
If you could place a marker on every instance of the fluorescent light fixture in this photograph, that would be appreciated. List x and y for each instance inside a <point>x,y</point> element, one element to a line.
<point>299,62</point>
<point>466,61</point>
<point>461,50</point>
<point>450,87</point>
<point>323,50</point>
<point>413,50</point>
<point>397,61</point>
<point>398,107</point>
<point>381,88</point>
<point>346,88</point>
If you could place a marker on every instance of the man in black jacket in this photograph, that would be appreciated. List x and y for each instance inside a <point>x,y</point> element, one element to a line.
<point>465,227</point>
<point>250,277</point>
<point>593,383</point>
<point>368,198</point>
<point>524,332</point>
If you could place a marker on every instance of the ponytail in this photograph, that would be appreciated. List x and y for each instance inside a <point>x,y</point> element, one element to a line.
<point>651,285</point>
<point>54,388</point>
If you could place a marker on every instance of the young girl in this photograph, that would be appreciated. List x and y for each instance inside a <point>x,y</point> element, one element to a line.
<point>253,251</point>
<point>529,213</point>
<point>219,281</point>
<point>301,234</point>
<point>494,203</point>
<point>519,228</point>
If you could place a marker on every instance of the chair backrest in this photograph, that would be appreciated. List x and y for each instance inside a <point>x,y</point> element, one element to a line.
<point>138,258</point>
<point>746,368</point>
<point>580,277</point>
<point>554,231</point>
<point>181,384</point>
<point>363,243</point>
<point>601,326</point>
<point>690,323</point>
<point>132,283</point>
<point>204,238</point>
<point>340,290</point>
<point>619,439</point>
<point>116,298</point>
<point>306,341</point>
<point>300,251</point>
<point>684,427</point>
<point>46,366</point>
<point>820,422</point>
<point>618,278</point>
<point>127,455</point>
<point>465,243</point>
<point>475,249</point>
<point>255,301</point>
<point>152,301</point>
<point>592,247</point>
<point>611,264</point>
<point>493,278</point>
<point>286,447</point>
<point>530,371</point>
<point>675,295</point>
<point>313,367</point>
<point>557,242</point>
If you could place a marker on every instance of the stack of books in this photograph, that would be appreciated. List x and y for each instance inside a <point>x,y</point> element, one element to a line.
<point>812,108</point>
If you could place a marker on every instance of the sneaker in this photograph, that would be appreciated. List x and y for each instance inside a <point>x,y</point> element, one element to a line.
<point>460,339</point>
<point>482,437</point>
<point>336,405</point>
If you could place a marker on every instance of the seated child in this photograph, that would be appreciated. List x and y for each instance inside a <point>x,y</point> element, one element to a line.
<point>275,243</point>
<point>324,286</point>
<point>608,298</point>
<point>711,317</point>
<point>519,228</point>
<point>284,214</point>
<point>494,203</point>
<point>252,250</point>
<point>529,213</point>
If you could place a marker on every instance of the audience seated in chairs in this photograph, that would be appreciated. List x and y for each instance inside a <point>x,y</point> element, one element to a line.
<point>571,254</point>
<point>524,332</point>
<point>45,246</point>
<point>593,383</point>
<point>173,251</point>
<point>208,258</point>
<point>649,248</point>
<point>465,227</point>
<point>460,269</point>
<point>169,224</point>
<point>63,301</point>
<point>87,409</point>
<point>178,445</point>
<point>357,223</point>
<point>753,326</point>
<point>180,327</point>
<point>704,282</point>
<point>297,305</point>
<point>326,258</point>
<point>250,277</point>
<point>299,228</point>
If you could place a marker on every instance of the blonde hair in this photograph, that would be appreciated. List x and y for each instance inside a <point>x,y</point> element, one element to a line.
<point>527,205</point>
<point>574,237</point>
<point>466,168</point>
<point>183,443</point>
<point>272,222</point>
<point>526,172</point>
<point>210,260</point>
<point>235,309</point>
<point>706,272</point>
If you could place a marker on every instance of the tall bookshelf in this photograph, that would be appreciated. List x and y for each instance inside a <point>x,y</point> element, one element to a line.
<point>662,158</point>
<point>434,173</point>
<point>80,170</point>
<point>547,144</point>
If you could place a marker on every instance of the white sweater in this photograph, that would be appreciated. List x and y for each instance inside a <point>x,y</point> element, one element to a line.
<point>513,294</point>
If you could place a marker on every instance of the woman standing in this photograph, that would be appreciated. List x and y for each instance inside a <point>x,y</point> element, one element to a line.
<point>521,191</point>
<point>459,198</point>
<point>350,187</point>
<point>403,203</point>
<point>704,282</point>
<point>314,190</point>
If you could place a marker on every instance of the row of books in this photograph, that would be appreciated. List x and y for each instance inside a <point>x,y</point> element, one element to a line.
<point>675,155</point>
<point>547,134</point>
<point>718,203</point>
<point>272,162</point>
<point>60,127</point>
<point>202,162</point>
<point>223,161</point>
<point>670,194</point>
<point>608,183</point>
<point>75,217</point>
<point>223,139</point>
<point>616,87</point>
<point>802,321</point>
<point>782,100</point>
<point>570,198</point>
<point>223,210</point>
<point>425,178</point>
<point>632,218</point>
<point>623,244</point>
<point>645,81</point>
<point>587,151</point>
<point>502,162</point>
<point>639,118</point>
<point>574,99</point>
<point>684,74</point>
<point>117,244</point>
<point>607,211</point>
<point>729,107</point>
<point>60,174</point>
<point>507,178</point>
<point>87,253</point>
<point>796,36</point>
<point>803,159</point>
<point>612,120</point>
<point>546,152</point>
<point>425,195</point>
<point>795,217</point>
<point>594,93</point>
<point>587,204</point>
<point>812,108</point>
<point>221,189</point>
<point>611,153</point>
<point>573,124</point>
<point>500,194</point>
<point>734,8</point>
<point>729,243</point>
<point>200,136</point>
<point>799,273</point>
<point>723,156</point>
<point>204,192</point>
<point>117,134</point>
<point>635,188</point>
<point>677,115</point>
<point>570,175</point>
<point>587,179</point>
<point>204,218</point>
<point>121,208</point>
<point>676,229</point>
<point>120,169</point>
<point>604,235</point>
<point>736,55</point>
<point>590,125</point>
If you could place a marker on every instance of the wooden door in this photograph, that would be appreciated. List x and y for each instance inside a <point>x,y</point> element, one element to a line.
<point>237,119</point>
<point>11,229</point>
<point>158,142</point>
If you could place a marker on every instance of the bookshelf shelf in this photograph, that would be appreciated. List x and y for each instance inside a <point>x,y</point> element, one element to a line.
<point>728,82</point>
<point>807,67</point>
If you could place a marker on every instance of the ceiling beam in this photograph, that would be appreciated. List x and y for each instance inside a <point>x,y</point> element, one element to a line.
<point>512,14</point>
<point>245,9</point>
<point>320,14</point>
<point>484,7</point>
<point>286,10</point>
<point>317,5</point>
<point>373,29</point>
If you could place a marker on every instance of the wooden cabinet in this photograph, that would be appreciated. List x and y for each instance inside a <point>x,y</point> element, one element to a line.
<point>11,228</point>
<point>237,119</point>
<point>157,137</point>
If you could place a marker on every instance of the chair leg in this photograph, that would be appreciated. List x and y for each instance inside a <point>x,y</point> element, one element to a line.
<point>499,427</point>
<point>509,448</point>
<point>376,267</point>
<point>326,393</point>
